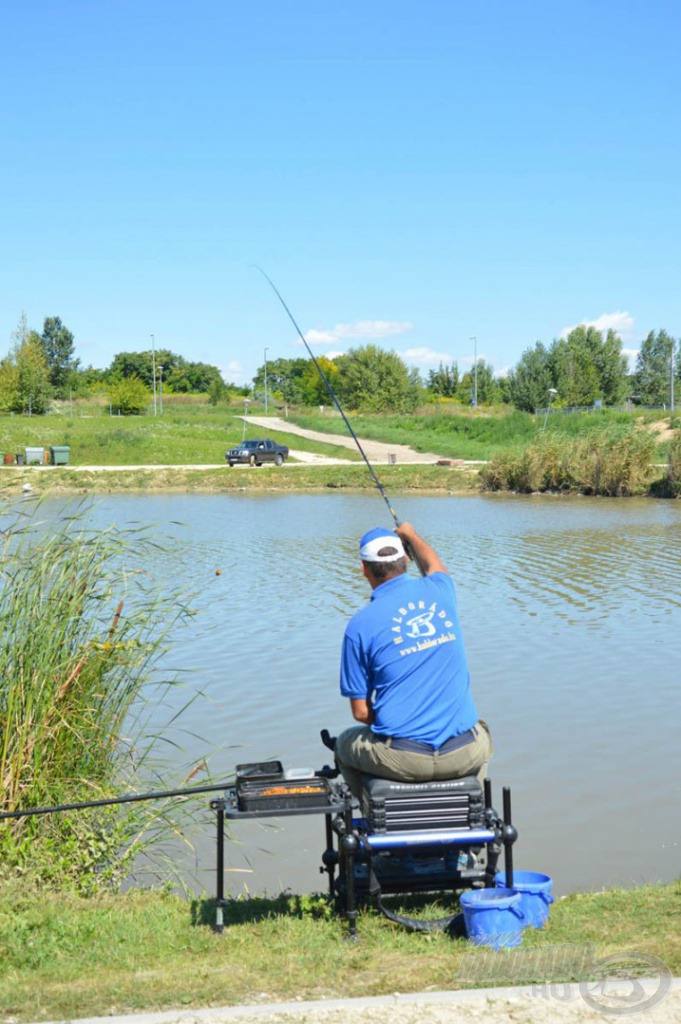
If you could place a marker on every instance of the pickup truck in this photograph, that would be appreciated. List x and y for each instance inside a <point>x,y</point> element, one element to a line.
<point>256,452</point>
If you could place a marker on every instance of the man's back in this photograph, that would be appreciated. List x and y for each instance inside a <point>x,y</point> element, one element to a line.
<point>404,652</point>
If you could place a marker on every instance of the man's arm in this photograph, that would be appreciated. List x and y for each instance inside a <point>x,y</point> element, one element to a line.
<point>423,553</point>
<point>362,711</point>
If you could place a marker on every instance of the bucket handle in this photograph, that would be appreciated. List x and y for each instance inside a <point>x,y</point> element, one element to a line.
<point>518,912</point>
<point>547,897</point>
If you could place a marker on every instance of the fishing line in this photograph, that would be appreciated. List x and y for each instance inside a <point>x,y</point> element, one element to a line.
<point>334,398</point>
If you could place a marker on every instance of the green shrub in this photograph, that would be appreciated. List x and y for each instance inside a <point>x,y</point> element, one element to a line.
<point>129,395</point>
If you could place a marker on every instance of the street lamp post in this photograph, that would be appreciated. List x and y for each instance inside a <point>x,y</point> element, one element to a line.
<point>160,380</point>
<point>266,380</point>
<point>474,339</point>
<point>243,436</point>
<point>671,379</point>
<point>552,395</point>
<point>153,368</point>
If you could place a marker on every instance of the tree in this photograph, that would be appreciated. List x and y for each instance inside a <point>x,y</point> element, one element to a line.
<point>284,376</point>
<point>377,381</point>
<point>129,396</point>
<point>179,374</point>
<point>134,364</point>
<point>612,367</point>
<point>444,381</point>
<point>312,387</point>
<point>217,391</point>
<point>488,389</point>
<point>653,368</point>
<point>573,371</point>
<point>587,367</point>
<point>529,382</point>
<point>192,378</point>
<point>57,341</point>
<point>24,375</point>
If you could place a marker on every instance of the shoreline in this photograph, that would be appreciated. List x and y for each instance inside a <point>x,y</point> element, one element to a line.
<point>320,478</point>
<point>298,477</point>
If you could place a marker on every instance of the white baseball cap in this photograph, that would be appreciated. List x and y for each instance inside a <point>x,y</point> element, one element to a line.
<point>378,539</point>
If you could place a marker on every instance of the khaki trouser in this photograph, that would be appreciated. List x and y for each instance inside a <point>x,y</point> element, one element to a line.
<point>360,752</point>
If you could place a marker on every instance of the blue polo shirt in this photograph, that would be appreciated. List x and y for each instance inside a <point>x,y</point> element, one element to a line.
<point>404,652</point>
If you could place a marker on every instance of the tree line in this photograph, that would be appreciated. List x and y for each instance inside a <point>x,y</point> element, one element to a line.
<point>586,367</point>
<point>43,366</point>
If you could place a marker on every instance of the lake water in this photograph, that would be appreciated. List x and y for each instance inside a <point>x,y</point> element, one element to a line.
<point>571,611</point>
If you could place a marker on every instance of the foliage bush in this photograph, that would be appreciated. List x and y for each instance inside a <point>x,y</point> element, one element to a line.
<point>80,632</point>
<point>616,461</point>
<point>129,395</point>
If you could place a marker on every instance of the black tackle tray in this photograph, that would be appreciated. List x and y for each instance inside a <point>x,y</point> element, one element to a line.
<point>262,787</point>
<point>258,772</point>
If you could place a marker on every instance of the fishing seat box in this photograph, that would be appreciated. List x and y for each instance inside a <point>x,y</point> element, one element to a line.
<point>262,786</point>
<point>422,806</point>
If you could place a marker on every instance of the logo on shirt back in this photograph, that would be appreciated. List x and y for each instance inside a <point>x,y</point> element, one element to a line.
<point>423,625</point>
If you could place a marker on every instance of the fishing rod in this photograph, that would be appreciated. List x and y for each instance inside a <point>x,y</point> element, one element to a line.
<point>334,398</point>
<point>131,798</point>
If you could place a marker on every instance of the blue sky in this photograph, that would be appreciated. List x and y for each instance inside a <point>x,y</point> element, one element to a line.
<point>408,173</point>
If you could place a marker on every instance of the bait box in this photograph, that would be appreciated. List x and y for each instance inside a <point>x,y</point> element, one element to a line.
<point>260,787</point>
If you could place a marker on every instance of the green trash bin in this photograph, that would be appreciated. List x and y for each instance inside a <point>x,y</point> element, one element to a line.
<point>59,454</point>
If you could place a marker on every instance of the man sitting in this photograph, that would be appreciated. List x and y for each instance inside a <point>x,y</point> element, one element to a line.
<point>405,671</point>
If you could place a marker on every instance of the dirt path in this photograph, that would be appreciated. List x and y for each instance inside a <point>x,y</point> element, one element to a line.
<point>377,451</point>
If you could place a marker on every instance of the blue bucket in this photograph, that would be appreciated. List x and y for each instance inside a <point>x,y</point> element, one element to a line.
<point>535,894</point>
<point>493,917</point>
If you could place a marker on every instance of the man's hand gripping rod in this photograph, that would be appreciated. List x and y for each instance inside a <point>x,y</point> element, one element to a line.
<point>340,410</point>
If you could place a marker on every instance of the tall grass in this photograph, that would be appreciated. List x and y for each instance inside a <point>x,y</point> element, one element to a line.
<point>81,627</point>
<point>671,483</point>
<point>617,461</point>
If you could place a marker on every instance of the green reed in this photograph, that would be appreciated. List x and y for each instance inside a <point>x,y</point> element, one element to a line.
<point>82,625</point>
<point>614,462</point>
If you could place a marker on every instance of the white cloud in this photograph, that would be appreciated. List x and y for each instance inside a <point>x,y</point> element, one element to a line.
<point>621,322</point>
<point>233,371</point>
<point>426,357</point>
<point>369,330</point>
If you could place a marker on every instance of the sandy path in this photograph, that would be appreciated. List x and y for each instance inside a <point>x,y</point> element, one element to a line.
<point>377,451</point>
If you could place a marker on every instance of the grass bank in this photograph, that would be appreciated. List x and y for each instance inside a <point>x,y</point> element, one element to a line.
<point>184,435</point>
<point>65,956</point>
<point>464,434</point>
<point>265,479</point>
